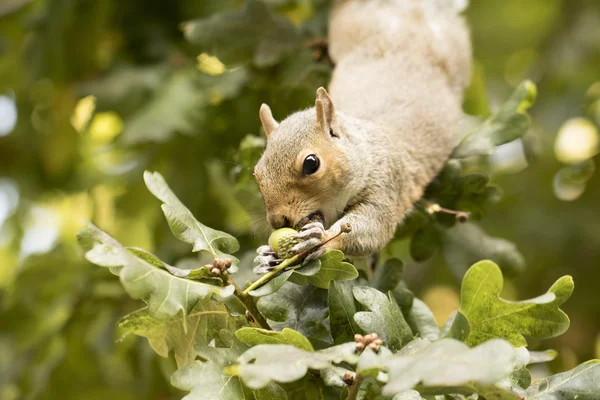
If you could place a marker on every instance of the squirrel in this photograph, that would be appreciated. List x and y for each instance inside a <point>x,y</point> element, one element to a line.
<point>367,150</point>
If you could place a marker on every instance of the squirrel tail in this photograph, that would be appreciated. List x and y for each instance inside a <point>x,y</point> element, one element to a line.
<point>434,28</point>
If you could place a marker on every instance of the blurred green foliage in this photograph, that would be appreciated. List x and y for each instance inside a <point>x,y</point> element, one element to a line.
<point>181,98</point>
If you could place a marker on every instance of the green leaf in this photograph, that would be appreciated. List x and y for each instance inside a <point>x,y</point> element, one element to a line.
<point>580,383</point>
<point>510,122</point>
<point>422,322</point>
<point>424,243</point>
<point>256,336</point>
<point>187,228</point>
<point>300,275</point>
<point>165,294</point>
<point>205,380</point>
<point>341,311</point>
<point>536,357</point>
<point>408,395</point>
<point>387,276</point>
<point>271,392</point>
<point>449,364</point>
<point>302,308</point>
<point>182,334</point>
<point>253,33</point>
<point>333,268</point>
<point>198,273</point>
<point>489,316</point>
<point>384,317</point>
<point>465,244</point>
<point>265,363</point>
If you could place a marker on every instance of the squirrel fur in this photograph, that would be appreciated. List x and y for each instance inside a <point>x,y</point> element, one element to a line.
<point>383,131</point>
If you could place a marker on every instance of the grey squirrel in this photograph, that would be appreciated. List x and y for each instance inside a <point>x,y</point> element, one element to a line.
<point>368,149</point>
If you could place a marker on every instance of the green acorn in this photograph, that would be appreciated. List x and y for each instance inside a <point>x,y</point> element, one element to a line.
<point>282,240</point>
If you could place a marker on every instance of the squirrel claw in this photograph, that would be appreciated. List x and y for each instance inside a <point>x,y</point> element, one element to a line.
<point>265,263</point>
<point>314,255</point>
<point>266,250</point>
<point>306,245</point>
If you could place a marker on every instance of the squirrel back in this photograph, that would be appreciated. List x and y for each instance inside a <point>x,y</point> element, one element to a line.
<point>384,130</point>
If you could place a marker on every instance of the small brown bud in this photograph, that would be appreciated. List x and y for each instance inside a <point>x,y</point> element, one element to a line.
<point>214,271</point>
<point>218,263</point>
<point>348,378</point>
<point>462,216</point>
<point>360,346</point>
<point>227,263</point>
<point>249,317</point>
<point>346,227</point>
<point>358,337</point>
<point>379,342</point>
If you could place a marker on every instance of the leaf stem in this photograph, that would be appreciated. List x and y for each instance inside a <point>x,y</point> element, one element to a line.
<point>249,305</point>
<point>267,277</point>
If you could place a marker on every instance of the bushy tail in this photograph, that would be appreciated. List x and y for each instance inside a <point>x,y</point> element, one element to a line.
<point>434,27</point>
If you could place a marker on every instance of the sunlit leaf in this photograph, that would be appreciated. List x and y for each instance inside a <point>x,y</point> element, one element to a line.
<point>187,228</point>
<point>450,364</point>
<point>281,363</point>
<point>483,315</point>
<point>256,336</point>
<point>182,334</point>
<point>580,383</point>
<point>165,294</point>
<point>205,380</point>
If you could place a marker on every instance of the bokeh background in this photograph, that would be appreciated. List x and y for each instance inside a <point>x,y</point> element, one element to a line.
<point>93,92</point>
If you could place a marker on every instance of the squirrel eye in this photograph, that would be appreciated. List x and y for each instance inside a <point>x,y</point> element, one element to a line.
<point>311,164</point>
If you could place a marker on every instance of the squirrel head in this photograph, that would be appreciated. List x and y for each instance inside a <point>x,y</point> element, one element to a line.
<point>304,170</point>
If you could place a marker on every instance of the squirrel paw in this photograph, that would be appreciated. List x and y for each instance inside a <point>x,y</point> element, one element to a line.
<point>314,255</point>
<point>314,230</point>
<point>266,260</point>
<point>311,235</point>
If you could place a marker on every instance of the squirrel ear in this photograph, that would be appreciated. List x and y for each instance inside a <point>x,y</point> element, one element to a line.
<point>325,108</point>
<point>266,118</point>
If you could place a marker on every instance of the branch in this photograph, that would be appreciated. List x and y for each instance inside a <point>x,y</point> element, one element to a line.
<point>248,302</point>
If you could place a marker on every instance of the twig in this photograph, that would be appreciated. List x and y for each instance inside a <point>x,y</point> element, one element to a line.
<point>267,277</point>
<point>248,302</point>
<point>353,390</point>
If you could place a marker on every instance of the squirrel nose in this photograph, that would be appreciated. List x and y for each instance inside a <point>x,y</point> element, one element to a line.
<point>279,221</point>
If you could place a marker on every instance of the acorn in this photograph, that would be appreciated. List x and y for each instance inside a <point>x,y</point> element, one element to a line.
<point>282,240</point>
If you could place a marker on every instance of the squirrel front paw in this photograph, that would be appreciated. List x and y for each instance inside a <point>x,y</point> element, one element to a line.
<point>313,235</point>
<point>266,260</point>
